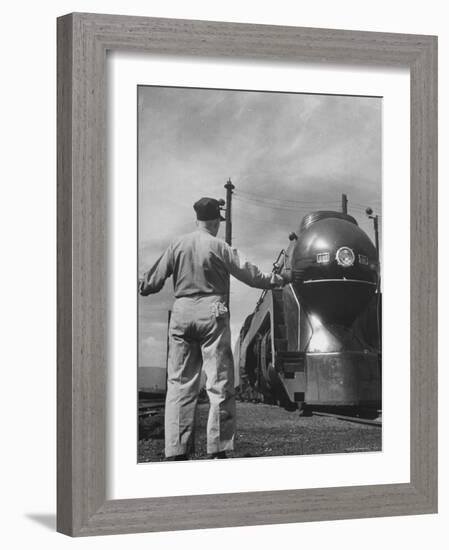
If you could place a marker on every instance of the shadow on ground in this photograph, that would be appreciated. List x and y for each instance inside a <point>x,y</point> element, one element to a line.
<point>46,520</point>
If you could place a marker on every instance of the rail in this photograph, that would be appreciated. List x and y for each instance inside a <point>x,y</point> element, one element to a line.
<point>356,419</point>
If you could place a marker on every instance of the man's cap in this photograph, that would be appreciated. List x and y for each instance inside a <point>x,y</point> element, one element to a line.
<point>207,209</point>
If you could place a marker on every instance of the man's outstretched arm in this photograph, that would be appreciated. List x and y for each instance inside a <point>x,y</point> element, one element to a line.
<point>154,279</point>
<point>247,272</point>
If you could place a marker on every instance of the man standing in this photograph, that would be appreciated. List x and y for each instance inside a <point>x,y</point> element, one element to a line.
<point>199,333</point>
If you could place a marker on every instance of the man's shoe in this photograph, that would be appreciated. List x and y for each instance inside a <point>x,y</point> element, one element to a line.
<point>178,457</point>
<point>220,454</point>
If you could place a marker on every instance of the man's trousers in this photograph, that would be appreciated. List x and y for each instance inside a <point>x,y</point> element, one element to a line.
<point>199,338</point>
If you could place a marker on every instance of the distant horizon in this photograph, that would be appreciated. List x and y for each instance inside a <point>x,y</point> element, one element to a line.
<point>152,378</point>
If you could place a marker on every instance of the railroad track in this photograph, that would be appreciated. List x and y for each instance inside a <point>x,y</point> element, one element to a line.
<point>150,407</point>
<point>153,407</point>
<point>356,419</point>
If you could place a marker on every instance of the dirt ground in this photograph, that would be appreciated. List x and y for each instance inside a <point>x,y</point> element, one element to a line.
<point>267,430</point>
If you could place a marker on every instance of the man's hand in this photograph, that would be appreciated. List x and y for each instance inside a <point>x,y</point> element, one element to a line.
<point>276,281</point>
<point>141,287</point>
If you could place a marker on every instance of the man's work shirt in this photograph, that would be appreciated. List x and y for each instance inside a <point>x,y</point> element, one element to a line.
<point>200,264</point>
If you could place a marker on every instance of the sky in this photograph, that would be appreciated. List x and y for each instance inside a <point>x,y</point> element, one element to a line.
<point>287,154</point>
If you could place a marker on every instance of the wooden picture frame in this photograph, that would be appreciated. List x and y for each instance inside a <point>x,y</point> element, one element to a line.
<point>83,40</point>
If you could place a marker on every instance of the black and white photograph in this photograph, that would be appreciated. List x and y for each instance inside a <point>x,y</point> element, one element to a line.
<point>259,273</point>
<point>227,216</point>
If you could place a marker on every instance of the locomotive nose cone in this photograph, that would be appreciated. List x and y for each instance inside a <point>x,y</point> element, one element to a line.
<point>336,302</point>
<point>329,276</point>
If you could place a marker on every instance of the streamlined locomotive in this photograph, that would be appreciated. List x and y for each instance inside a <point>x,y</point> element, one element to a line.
<point>316,343</point>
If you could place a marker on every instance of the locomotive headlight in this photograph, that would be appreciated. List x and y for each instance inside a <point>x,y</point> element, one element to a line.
<point>345,256</point>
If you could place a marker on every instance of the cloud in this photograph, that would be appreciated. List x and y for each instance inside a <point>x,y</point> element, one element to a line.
<point>152,344</point>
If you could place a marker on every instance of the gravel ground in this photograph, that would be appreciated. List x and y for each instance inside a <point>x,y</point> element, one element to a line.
<point>267,430</point>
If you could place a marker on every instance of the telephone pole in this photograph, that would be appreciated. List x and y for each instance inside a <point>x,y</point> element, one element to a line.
<point>228,215</point>
<point>344,203</point>
<point>228,228</point>
<point>375,218</point>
